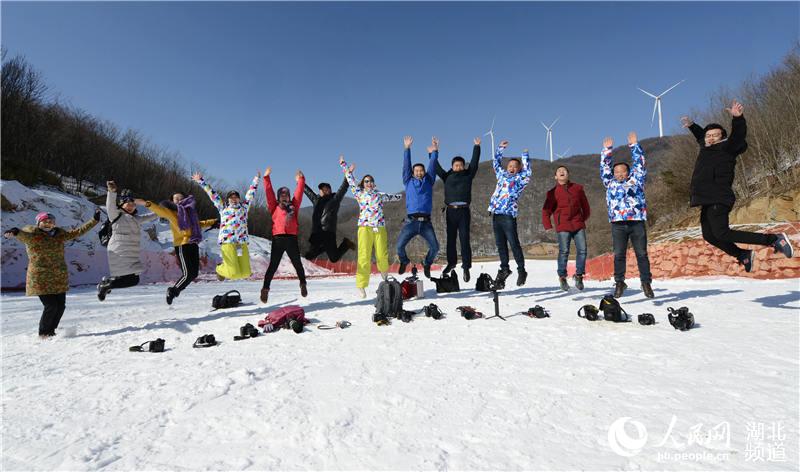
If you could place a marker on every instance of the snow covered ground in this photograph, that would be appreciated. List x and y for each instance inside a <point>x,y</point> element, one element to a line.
<point>555,393</point>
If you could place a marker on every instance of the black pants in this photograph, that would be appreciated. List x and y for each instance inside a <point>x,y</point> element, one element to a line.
<point>284,243</point>
<point>325,241</point>
<point>458,221</point>
<point>125,281</point>
<point>189,260</point>
<point>505,234</point>
<point>716,230</point>
<point>54,306</point>
<point>636,231</point>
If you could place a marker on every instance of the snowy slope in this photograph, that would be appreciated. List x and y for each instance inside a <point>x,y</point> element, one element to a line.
<point>86,258</point>
<point>448,394</point>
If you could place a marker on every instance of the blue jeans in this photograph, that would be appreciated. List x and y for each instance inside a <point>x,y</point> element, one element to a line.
<point>505,233</point>
<point>564,238</point>
<point>636,231</point>
<point>413,227</point>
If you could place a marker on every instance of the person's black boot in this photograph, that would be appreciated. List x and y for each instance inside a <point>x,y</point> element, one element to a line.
<point>783,245</point>
<point>522,276</point>
<point>103,288</point>
<point>303,290</point>
<point>648,290</point>
<point>466,275</point>
<point>579,282</point>
<point>171,294</point>
<point>502,275</point>
<point>448,268</point>
<point>426,269</point>
<point>349,244</point>
<point>746,259</point>
<point>401,270</point>
<point>562,282</point>
<point>619,289</point>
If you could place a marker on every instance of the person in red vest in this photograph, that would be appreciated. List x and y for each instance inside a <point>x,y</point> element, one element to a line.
<point>284,210</point>
<point>567,205</point>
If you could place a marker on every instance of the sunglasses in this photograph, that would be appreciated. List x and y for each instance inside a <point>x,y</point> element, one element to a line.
<point>369,181</point>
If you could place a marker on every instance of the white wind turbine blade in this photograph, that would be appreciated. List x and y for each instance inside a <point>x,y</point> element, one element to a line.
<point>554,122</point>
<point>544,125</point>
<point>646,92</point>
<point>667,90</point>
<point>655,104</point>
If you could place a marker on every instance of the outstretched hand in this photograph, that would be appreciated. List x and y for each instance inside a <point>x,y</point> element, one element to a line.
<point>434,145</point>
<point>352,167</point>
<point>96,215</point>
<point>140,201</point>
<point>267,171</point>
<point>11,233</point>
<point>341,159</point>
<point>632,138</point>
<point>736,109</point>
<point>477,141</point>
<point>686,121</point>
<point>197,176</point>
<point>504,143</point>
<point>608,142</point>
<point>407,140</point>
<point>299,175</point>
<point>112,186</point>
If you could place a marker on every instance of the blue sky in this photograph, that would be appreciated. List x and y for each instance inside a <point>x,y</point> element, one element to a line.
<point>239,86</point>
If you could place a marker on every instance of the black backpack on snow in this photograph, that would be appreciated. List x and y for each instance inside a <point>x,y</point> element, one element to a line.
<point>389,302</point>
<point>447,283</point>
<point>612,311</point>
<point>484,283</point>
<point>106,231</point>
<point>227,300</point>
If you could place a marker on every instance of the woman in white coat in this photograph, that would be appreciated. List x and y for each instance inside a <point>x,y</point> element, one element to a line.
<point>124,247</point>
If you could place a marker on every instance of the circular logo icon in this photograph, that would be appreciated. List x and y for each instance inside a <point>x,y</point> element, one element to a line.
<point>621,443</point>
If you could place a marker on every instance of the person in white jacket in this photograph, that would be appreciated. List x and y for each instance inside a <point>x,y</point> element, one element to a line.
<point>124,247</point>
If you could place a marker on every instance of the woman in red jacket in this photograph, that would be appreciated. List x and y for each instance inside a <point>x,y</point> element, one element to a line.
<point>567,204</point>
<point>284,210</point>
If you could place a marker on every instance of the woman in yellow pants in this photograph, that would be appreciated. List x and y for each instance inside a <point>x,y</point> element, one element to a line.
<point>371,225</point>
<point>233,236</point>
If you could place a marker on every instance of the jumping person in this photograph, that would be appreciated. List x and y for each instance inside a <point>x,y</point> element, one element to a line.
<point>186,227</point>
<point>567,204</point>
<point>47,276</point>
<point>627,212</point>
<point>457,198</point>
<point>371,225</point>
<point>124,247</point>
<point>323,222</point>
<point>284,210</point>
<point>419,205</point>
<point>503,206</point>
<point>712,188</point>
<point>233,235</point>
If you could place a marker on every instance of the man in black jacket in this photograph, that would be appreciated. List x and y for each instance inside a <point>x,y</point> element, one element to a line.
<point>323,222</point>
<point>712,188</point>
<point>457,197</point>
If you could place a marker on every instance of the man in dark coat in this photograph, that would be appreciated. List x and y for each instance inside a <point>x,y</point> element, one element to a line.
<point>323,222</point>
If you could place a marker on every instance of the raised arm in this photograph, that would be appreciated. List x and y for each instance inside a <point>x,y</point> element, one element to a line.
<point>160,211</point>
<point>212,194</point>
<point>407,159</point>
<point>737,143</point>
<point>439,171</point>
<point>298,190</point>
<point>342,190</point>
<point>208,223</point>
<point>526,165</point>
<point>251,192</point>
<point>433,158</point>
<point>606,174</point>
<point>310,194</point>
<point>348,176</point>
<point>476,157</point>
<point>83,229</point>
<point>639,168</point>
<point>111,200</point>
<point>498,158</point>
<point>272,202</point>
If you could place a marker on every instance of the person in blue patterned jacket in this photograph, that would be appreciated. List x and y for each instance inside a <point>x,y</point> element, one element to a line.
<point>511,181</point>
<point>627,211</point>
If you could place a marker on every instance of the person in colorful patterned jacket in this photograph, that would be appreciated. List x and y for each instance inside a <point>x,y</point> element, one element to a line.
<point>46,275</point>
<point>124,247</point>
<point>567,204</point>
<point>233,236</point>
<point>371,225</point>
<point>284,210</point>
<point>627,211</point>
<point>712,188</point>
<point>511,181</point>
<point>419,205</point>
<point>187,233</point>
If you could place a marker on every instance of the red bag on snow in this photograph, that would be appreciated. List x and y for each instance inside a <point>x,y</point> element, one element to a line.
<point>281,316</point>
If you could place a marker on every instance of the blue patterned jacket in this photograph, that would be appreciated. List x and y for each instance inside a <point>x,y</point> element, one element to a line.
<point>625,199</point>
<point>509,186</point>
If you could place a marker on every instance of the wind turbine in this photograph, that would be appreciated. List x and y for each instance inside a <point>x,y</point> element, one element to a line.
<point>657,105</point>
<point>549,139</point>
<point>562,155</point>
<point>491,133</point>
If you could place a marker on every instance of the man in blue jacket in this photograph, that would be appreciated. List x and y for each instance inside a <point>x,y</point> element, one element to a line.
<point>419,204</point>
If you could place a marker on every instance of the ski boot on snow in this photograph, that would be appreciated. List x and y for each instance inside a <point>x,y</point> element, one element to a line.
<point>103,288</point>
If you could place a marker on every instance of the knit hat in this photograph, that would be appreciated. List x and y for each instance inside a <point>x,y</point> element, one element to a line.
<point>716,126</point>
<point>283,190</point>
<point>44,216</point>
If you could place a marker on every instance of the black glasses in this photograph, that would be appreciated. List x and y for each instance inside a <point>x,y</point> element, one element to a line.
<point>369,181</point>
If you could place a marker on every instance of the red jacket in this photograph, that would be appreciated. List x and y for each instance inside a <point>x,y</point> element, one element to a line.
<point>569,207</point>
<point>281,222</point>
